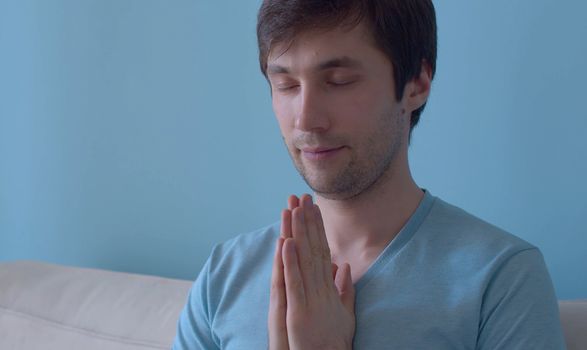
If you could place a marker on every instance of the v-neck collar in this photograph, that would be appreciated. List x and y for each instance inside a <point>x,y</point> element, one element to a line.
<point>403,237</point>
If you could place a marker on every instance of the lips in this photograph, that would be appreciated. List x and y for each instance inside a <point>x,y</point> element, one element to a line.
<point>320,149</point>
<point>320,153</point>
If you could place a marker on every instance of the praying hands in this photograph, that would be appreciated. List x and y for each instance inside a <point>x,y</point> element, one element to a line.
<point>312,299</point>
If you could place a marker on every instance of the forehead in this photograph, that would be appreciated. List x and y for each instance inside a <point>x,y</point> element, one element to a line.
<point>322,49</point>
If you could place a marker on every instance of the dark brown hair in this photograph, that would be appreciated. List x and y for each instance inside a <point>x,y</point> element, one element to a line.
<point>405,30</point>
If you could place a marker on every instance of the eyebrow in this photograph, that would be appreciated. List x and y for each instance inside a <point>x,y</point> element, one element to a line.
<point>338,62</point>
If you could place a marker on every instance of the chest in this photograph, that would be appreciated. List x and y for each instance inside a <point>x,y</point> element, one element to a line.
<point>388,314</point>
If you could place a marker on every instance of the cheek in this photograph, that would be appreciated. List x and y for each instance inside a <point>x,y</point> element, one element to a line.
<point>360,109</point>
<point>283,116</point>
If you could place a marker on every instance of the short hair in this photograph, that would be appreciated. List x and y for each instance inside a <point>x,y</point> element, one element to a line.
<point>404,30</point>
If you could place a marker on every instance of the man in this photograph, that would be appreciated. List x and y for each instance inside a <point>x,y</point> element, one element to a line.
<point>376,262</point>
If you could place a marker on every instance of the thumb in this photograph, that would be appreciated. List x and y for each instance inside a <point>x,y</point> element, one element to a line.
<point>346,290</point>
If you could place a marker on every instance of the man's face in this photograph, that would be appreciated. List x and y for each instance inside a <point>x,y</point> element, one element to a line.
<point>334,97</point>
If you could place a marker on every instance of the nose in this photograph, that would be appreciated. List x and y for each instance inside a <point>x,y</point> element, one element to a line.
<point>312,114</point>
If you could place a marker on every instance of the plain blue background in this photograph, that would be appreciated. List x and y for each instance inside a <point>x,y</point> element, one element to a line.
<point>136,134</point>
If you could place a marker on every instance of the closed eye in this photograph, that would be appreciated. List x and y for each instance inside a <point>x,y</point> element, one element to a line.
<point>340,83</point>
<point>286,87</point>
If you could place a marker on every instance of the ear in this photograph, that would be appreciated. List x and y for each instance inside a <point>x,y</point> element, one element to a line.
<point>417,90</point>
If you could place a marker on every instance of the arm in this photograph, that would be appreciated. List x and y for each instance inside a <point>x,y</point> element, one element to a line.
<point>193,328</point>
<point>520,309</point>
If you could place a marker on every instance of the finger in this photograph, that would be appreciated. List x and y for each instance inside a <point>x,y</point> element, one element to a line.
<point>277,327</point>
<point>346,290</point>
<point>334,269</point>
<point>286,223</point>
<point>326,257</point>
<point>317,251</point>
<point>294,286</point>
<point>293,202</point>
<point>304,255</point>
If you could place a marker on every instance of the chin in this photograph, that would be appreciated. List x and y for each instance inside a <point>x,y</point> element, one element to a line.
<point>332,190</point>
<point>338,196</point>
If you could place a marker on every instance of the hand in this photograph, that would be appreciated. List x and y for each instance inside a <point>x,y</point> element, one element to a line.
<point>277,301</point>
<point>312,300</point>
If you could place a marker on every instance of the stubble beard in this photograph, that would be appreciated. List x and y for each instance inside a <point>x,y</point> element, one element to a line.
<point>364,171</point>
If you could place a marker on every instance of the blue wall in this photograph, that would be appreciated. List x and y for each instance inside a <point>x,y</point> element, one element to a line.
<point>136,134</point>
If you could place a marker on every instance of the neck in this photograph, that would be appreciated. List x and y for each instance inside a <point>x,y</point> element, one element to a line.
<point>370,220</point>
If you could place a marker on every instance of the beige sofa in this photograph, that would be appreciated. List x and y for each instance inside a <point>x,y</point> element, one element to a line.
<point>45,306</point>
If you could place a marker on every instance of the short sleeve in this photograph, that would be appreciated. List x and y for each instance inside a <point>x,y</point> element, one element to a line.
<point>520,309</point>
<point>193,328</point>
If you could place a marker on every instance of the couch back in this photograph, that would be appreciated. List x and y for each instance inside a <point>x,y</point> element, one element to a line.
<point>45,306</point>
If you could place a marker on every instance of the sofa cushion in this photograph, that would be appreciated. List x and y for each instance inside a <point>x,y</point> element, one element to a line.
<point>45,306</point>
<point>574,321</point>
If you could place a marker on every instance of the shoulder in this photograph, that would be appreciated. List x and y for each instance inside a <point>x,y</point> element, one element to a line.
<point>455,226</point>
<point>257,239</point>
<point>456,237</point>
<point>245,248</point>
<point>242,260</point>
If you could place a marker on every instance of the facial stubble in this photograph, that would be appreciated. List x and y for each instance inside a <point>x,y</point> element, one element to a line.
<point>371,162</point>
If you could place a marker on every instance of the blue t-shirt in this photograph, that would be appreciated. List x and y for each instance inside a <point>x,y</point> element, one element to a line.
<point>447,281</point>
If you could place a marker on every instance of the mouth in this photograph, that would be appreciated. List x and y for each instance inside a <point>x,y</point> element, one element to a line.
<point>320,153</point>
